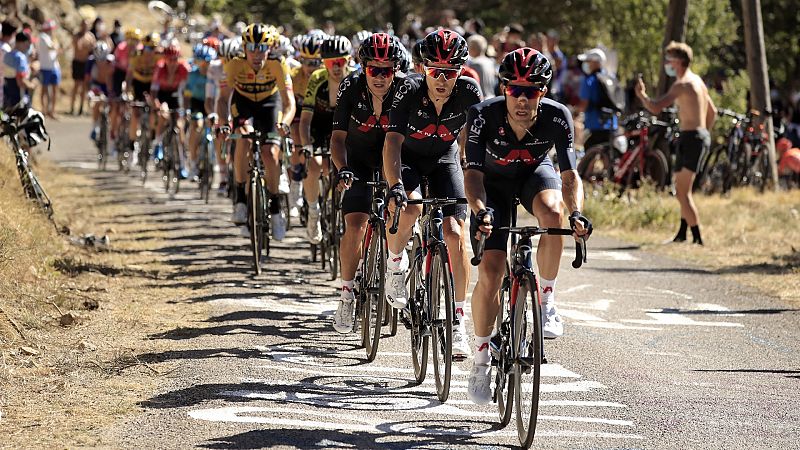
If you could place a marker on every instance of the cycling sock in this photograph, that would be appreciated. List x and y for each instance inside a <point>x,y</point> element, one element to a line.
<point>297,172</point>
<point>460,311</point>
<point>240,193</point>
<point>274,204</point>
<point>482,355</point>
<point>681,236</point>
<point>548,286</point>
<point>696,239</point>
<point>397,262</point>
<point>313,206</point>
<point>347,286</point>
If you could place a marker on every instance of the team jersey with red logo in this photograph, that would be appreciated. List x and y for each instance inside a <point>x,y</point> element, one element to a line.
<point>493,148</point>
<point>165,79</point>
<point>354,114</point>
<point>429,135</point>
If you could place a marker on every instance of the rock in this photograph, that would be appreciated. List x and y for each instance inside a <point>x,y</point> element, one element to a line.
<point>29,351</point>
<point>68,319</point>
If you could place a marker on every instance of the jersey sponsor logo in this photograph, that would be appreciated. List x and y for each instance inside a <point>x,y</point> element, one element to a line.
<point>431,131</point>
<point>423,114</point>
<point>453,116</point>
<point>402,90</point>
<point>498,142</point>
<point>372,123</point>
<point>516,156</point>
<point>501,131</point>
<point>475,128</point>
<point>561,122</point>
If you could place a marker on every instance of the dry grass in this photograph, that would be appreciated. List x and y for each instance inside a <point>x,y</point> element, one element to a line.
<point>750,237</point>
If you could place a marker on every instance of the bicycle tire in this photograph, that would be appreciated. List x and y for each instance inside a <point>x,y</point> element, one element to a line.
<point>528,359</point>
<point>40,196</point>
<point>595,165</point>
<point>440,294</point>
<point>504,376</point>
<point>206,171</point>
<point>760,169</point>
<point>375,291</point>
<point>709,177</point>
<point>418,337</point>
<point>102,143</point>
<point>656,168</point>
<point>256,223</point>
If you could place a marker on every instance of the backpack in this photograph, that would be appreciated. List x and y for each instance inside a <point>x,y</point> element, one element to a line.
<point>612,94</point>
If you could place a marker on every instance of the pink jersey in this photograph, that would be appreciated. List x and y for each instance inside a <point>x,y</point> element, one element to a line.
<point>166,81</point>
<point>121,54</point>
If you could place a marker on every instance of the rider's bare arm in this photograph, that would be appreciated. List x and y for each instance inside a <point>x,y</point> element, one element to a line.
<point>338,150</point>
<point>305,127</point>
<point>289,106</point>
<point>391,157</point>
<point>572,190</point>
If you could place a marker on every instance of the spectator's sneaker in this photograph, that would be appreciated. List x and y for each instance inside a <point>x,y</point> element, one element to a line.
<point>278,226</point>
<point>479,387</point>
<point>396,293</point>
<point>461,345</point>
<point>239,216</point>
<point>343,318</point>
<point>552,327</point>
<point>313,226</point>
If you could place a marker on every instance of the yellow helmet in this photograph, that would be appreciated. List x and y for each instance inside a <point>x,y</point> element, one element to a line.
<point>151,40</point>
<point>133,34</point>
<point>258,33</point>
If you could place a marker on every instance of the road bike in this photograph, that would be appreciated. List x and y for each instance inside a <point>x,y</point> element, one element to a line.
<point>517,348</point>
<point>123,142</point>
<point>430,312</point>
<point>101,138</point>
<point>171,164</point>
<point>141,145</point>
<point>331,222</point>
<point>644,162</point>
<point>205,161</point>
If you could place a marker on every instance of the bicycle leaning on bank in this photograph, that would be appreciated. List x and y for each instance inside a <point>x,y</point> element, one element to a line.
<point>518,347</point>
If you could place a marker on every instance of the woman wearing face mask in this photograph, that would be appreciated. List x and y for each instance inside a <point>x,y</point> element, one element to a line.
<point>598,124</point>
<point>359,128</point>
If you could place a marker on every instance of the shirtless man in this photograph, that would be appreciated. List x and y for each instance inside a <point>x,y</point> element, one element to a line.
<point>82,45</point>
<point>697,113</point>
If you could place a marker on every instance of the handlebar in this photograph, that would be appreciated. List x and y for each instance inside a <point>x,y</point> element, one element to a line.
<point>580,246</point>
<point>436,202</point>
<point>395,220</point>
<point>476,260</point>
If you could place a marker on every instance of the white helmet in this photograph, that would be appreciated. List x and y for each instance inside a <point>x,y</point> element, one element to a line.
<point>229,48</point>
<point>283,47</point>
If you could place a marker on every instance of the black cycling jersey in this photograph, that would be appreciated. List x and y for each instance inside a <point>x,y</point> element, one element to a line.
<point>430,136</point>
<point>354,114</point>
<point>493,148</point>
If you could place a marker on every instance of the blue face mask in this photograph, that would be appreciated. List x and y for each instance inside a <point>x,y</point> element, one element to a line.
<point>586,68</point>
<point>670,70</point>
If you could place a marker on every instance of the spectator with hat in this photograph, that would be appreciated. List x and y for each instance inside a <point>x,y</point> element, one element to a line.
<point>598,124</point>
<point>17,83</point>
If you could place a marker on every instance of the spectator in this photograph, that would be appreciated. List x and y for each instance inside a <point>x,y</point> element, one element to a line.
<point>600,125</point>
<point>473,27</point>
<point>513,39</point>
<point>485,67</point>
<point>50,70</point>
<point>98,21</point>
<point>17,83</point>
<point>116,33</point>
<point>82,44</point>
<point>560,63</point>
<point>9,28</point>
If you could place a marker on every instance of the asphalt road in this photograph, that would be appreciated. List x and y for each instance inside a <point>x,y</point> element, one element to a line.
<point>657,354</point>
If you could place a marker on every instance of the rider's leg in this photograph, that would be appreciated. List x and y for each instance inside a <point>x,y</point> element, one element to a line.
<point>350,250</point>
<point>311,182</point>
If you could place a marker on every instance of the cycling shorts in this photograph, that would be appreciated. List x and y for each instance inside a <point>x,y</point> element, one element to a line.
<point>170,98</point>
<point>693,147</point>
<point>119,78</point>
<point>197,105</point>
<point>445,179</point>
<point>359,197</point>
<point>500,194</point>
<point>264,115</point>
<point>139,89</point>
<point>99,88</point>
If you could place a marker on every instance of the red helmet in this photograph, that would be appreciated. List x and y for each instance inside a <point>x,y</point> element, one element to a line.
<point>445,47</point>
<point>526,64</point>
<point>379,47</point>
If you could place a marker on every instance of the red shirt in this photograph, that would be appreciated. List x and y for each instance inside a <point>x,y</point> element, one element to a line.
<point>170,82</point>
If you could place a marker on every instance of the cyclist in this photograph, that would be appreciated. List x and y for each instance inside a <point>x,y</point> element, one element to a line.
<point>258,86</point>
<point>195,97</point>
<point>427,117</point>
<point>122,53</point>
<point>310,60</point>
<point>507,145</point>
<point>169,79</point>
<point>100,73</point>
<point>359,128</point>
<point>316,120</point>
<point>697,114</point>
<point>141,66</point>
<point>228,49</point>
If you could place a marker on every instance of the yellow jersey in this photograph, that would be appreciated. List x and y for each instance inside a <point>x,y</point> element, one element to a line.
<point>142,66</point>
<point>300,83</point>
<point>257,86</point>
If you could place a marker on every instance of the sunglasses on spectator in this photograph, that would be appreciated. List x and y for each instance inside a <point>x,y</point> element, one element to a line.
<point>375,71</point>
<point>529,91</point>
<point>311,62</point>
<point>334,62</point>
<point>252,47</point>
<point>436,72</point>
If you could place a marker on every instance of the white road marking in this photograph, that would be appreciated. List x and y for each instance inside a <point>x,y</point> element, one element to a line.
<point>614,326</point>
<point>595,305</point>
<point>667,318</point>
<point>579,315</point>
<point>715,307</point>
<point>307,306</point>
<point>606,255</point>
<point>577,288</point>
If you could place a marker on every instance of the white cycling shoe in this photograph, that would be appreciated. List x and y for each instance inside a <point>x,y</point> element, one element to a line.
<point>552,326</point>
<point>396,293</point>
<point>343,318</point>
<point>479,387</point>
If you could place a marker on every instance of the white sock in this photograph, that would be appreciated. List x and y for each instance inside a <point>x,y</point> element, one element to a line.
<point>397,262</point>
<point>460,313</point>
<point>347,286</point>
<point>548,288</point>
<point>482,355</point>
<point>313,205</point>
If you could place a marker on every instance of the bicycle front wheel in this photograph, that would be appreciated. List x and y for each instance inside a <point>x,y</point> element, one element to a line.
<point>440,291</point>
<point>595,166</point>
<point>416,294</point>
<point>375,292</point>
<point>504,375</point>
<point>527,347</point>
<point>256,214</point>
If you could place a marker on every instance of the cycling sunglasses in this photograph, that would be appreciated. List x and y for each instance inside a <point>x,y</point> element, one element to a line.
<point>374,71</point>
<point>335,62</point>
<point>529,91</point>
<point>436,72</point>
<point>253,47</point>
<point>311,62</point>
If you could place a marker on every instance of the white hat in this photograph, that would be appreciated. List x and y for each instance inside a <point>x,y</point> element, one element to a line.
<point>594,54</point>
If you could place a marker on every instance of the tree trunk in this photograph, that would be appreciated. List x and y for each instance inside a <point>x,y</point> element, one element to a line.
<point>759,79</point>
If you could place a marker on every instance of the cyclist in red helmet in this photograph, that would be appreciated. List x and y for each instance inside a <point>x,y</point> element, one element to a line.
<point>508,140</point>
<point>166,89</point>
<point>427,118</point>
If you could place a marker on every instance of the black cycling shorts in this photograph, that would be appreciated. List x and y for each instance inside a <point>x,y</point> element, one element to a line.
<point>693,147</point>
<point>139,89</point>
<point>197,105</point>
<point>264,115</point>
<point>359,197</point>
<point>119,78</point>
<point>500,194</point>
<point>170,98</point>
<point>445,179</point>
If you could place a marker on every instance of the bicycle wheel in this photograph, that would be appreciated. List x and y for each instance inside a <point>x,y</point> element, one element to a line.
<point>375,291</point>
<point>760,169</point>
<point>102,143</point>
<point>440,293</point>
<point>205,170</point>
<point>709,177</point>
<point>40,196</point>
<point>416,292</point>
<point>527,343</point>
<point>504,375</point>
<point>656,169</point>
<point>256,218</point>
<point>595,166</point>
<point>334,230</point>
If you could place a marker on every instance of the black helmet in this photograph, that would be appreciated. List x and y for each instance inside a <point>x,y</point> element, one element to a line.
<point>416,53</point>
<point>310,46</point>
<point>405,59</point>
<point>526,64</point>
<point>444,46</point>
<point>336,47</point>
<point>380,47</point>
<point>258,33</point>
